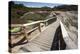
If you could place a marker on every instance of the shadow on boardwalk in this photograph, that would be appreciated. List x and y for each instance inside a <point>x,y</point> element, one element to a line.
<point>58,42</point>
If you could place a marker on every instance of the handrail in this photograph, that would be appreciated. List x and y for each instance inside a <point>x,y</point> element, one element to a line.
<point>47,19</point>
<point>66,37</point>
<point>32,23</point>
<point>27,24</point>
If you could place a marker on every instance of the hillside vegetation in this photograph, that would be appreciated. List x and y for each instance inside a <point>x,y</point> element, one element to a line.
<point>18,10</point>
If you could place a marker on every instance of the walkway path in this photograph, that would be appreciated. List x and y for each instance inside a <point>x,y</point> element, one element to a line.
<point>44,41</point>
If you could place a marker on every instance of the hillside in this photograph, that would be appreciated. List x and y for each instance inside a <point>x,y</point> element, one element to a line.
<point>16,11</point>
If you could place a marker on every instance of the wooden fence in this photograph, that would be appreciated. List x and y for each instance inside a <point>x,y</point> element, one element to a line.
<point>40,24</point>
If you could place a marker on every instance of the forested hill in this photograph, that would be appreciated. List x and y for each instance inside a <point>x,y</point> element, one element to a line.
<point>66,7</point>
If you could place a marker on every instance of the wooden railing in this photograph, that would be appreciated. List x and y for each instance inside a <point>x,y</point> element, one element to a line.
<point>23,26</point>
<point>69,42</point>
<point>27,33</point>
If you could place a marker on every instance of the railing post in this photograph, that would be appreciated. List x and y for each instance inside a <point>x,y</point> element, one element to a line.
<point>39,27</point>
<point>24,30</point>
<point>46,23</point>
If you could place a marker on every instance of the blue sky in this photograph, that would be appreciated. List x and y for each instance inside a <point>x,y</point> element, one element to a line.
<point>36,4</point>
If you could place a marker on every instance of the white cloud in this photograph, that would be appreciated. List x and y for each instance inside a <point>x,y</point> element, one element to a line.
<point>53,1</point>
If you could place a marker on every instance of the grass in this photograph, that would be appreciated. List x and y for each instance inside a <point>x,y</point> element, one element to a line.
<point>14,30</point>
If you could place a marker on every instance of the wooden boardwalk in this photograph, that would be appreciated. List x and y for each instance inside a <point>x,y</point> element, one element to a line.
<point>43,41</point>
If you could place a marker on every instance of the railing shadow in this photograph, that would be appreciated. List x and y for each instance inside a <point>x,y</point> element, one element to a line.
<point>58,42</point>
<point>21,42</point>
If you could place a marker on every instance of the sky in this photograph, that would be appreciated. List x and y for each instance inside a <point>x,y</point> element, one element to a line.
<point>36,4</point>
<point>53,1</point>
